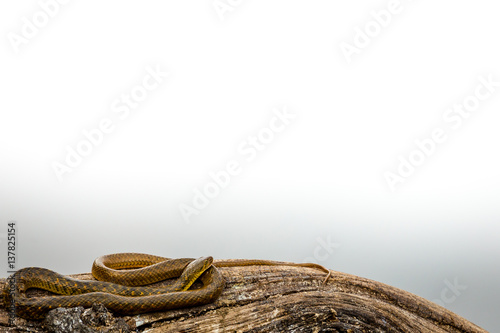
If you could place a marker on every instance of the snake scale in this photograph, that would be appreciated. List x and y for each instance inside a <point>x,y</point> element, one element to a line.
<point>120,285</point>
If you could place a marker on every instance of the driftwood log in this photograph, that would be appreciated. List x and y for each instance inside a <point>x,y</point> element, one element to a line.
<point>287,299</point>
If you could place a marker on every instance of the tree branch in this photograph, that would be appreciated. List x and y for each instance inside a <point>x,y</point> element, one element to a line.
<point>293,299</point>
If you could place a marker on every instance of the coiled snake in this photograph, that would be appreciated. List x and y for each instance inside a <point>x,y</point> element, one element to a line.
<point>120,286</point>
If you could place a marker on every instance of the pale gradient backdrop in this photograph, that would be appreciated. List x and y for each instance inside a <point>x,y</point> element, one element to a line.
<point>311,187</point>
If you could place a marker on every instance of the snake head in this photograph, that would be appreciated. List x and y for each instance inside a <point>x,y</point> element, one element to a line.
<point>207,262</point>
<point>193,271</point>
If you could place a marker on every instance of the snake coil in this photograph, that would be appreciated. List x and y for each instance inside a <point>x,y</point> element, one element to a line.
<point>121,284</point>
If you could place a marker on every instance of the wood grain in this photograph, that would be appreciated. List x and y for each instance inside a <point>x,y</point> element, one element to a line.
<point>293,299</point>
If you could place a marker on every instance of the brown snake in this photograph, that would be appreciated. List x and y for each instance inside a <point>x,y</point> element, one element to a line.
<point>120,286</point>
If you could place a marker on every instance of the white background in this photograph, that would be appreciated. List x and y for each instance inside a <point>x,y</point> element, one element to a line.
<point>319,181</point>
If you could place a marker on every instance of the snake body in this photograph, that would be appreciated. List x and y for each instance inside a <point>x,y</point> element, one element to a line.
<point>120,285</point>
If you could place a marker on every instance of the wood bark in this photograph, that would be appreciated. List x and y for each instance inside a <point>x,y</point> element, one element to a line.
<point>293,299</point>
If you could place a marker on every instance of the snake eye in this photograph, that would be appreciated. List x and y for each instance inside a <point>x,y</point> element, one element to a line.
<point>208,261</point>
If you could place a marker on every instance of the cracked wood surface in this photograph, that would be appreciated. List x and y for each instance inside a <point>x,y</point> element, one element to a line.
<point>293,299</point>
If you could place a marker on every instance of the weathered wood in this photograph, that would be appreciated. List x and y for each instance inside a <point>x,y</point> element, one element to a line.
<point>293,299</point>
